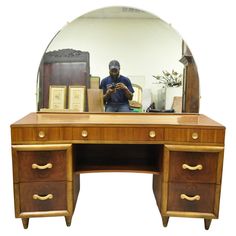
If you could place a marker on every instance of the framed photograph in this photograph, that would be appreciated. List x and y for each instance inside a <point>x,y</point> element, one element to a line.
<point>76,100</point>
<point>57,97</point>
<point>94,82</point>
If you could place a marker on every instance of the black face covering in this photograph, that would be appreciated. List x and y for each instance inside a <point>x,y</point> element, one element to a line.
<point>114,74</point>
<point>114,77</point>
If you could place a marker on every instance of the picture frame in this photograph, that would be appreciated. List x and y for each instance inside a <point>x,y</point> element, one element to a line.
<point>57,97</point>
<point>76,98</point>
<point>94,82</point>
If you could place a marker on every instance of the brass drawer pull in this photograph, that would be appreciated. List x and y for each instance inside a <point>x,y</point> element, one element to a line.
<point>197,167</point>
<point>41,134</point>
<point>152,134</point>
<point>43,198</point>
<point>47,166</point>
<point>194,198</point>
<point>84,133</point>
<point>195,135</point>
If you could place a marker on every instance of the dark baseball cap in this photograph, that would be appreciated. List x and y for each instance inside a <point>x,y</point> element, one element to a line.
<point>114,64</point>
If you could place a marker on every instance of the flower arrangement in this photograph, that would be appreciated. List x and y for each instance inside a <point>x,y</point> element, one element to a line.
<point>173,79</point>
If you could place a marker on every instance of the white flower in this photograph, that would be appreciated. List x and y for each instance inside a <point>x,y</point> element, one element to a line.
<point>173,79</point>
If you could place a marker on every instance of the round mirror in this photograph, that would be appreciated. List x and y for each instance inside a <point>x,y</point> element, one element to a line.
<point>152,55</point>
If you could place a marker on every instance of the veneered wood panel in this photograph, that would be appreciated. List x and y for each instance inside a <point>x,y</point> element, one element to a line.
<point>204,205</point>
<point>57,189</point>
<point>57,159</point>
<point>208,161</point>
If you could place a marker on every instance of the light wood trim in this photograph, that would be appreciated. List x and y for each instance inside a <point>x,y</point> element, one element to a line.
<point>15,164</point>
<point>70,198</point>
<point>17,200</point>
<point>194,148</point>
<point>190,214</point>
<point>117,170</point>
<point>220,167</point>
<point>166,162</point>
<point>44,213</point>
<point>217,200</point>
<point>164,201</point>
<point>43,147</point>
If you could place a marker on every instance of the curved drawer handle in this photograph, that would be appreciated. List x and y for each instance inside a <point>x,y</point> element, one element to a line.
<point>43,198</point>
<point>47,166</point>
<point>197,167</point>
<point>186,197</point>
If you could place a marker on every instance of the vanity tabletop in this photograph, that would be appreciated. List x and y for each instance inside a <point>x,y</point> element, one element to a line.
<point>115,119</point>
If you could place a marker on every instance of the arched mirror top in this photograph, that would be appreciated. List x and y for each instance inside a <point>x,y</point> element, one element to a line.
<point>151,53</point>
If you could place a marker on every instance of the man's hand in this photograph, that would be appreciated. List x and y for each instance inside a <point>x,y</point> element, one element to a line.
<point>108,93</point>
<point>121,86</point>
<point>110,90</point>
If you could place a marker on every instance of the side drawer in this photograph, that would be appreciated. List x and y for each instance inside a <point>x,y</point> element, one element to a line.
<point>193,167</point>
<point>208,136</point>
<point>43,196</point>
<point>195,164</point>
<point>42,162</point>
<point>184,197</point>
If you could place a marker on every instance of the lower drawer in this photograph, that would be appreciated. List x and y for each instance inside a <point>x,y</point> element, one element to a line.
<point>188,197</point>
<point>42,196</point>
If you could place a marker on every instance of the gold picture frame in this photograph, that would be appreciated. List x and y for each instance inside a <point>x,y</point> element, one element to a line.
<point>57,97</point>
<point>76,98</point>
<point>94,82</point>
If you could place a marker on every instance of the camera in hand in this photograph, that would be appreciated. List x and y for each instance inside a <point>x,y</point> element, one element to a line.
<point>113,85</point>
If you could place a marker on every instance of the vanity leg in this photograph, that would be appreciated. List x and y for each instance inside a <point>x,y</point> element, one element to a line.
<point>68,220</point>
<point>207,223</point>
<point>165,220</point>
<point>25,222</point>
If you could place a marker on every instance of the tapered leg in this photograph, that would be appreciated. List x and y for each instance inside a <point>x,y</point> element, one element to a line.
<point>207,223</point>
<point>165,220</point>
<point>25,222</point>
<point>68,220</point>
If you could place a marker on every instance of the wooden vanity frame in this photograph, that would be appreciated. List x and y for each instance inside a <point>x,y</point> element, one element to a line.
<point>184,152</point>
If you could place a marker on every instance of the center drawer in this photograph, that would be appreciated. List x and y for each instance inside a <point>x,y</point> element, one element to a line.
<point>84,134</point>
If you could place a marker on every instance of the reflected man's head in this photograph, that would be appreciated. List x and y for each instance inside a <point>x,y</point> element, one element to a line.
<point>114,69</point>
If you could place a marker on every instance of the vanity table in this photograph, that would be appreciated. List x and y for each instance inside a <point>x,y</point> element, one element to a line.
<point>183,152</point>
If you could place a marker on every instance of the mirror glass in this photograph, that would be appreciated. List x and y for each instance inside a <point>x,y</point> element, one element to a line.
<point>148,49</point>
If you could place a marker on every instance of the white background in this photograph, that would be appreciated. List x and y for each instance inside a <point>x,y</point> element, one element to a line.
<point>117,204</point>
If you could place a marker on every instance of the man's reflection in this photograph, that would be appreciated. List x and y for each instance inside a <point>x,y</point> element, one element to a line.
<point>117,90</point>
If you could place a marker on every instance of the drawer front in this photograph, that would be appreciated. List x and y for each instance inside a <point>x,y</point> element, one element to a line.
<point>209,136</point>
<point>122,134</point>
<point>191,197</point>
<point>34,163</point>
<point>42,165</point>
<point>43,196</point>
<point>193,166</point>
<point>103,134</point>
